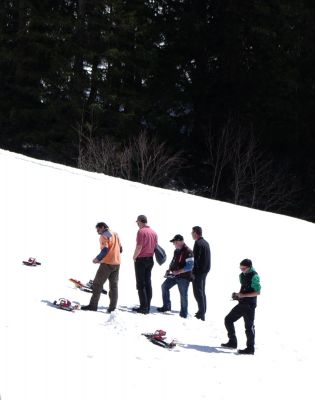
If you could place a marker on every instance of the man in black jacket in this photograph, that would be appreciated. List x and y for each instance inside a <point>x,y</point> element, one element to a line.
<point>202,265</point>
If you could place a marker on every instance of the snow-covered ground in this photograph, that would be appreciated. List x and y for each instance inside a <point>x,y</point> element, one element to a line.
<point>49,211</point>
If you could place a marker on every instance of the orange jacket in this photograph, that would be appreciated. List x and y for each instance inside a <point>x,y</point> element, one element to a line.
<point>111,241</point>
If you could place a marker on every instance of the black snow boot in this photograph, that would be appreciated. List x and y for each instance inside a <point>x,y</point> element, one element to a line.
<point>140,310</point>
<point>163,309</point>
<point>231,344</point>
<point>88,308</point>
<point>246,351</point>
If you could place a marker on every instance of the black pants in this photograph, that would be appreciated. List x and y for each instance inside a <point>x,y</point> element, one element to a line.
<point>143,268</point>
<point>247,311</point>
<point>199,286</point>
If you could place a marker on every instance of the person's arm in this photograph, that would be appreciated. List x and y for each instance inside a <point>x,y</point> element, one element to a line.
<point>255,284</point>
<point>120,246</point>
<point>137,251</point>
<point>189,264</point>
<point>251,294</point>
<point>100,257</point>
<point>196,252</point>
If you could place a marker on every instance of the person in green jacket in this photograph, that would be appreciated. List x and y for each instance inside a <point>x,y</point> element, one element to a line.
<point>247,302</point>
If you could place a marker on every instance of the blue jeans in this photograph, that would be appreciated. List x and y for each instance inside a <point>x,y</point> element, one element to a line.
<point>183,285</point>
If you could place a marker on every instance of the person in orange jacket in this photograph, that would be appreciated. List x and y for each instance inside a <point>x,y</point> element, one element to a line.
<point>109,260</point>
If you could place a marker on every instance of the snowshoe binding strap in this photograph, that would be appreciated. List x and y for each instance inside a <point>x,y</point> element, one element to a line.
<point>159,334</point>
<point>64,303</point>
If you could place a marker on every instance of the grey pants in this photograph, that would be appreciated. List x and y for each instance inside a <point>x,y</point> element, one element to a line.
<point>104,272</point>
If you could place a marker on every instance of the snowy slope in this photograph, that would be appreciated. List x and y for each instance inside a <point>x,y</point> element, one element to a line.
<point>49,211</point>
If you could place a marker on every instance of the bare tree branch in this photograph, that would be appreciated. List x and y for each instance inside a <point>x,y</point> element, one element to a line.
<point>143,159</point>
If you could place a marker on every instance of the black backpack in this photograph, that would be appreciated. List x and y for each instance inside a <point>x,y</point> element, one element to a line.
<point>160,255</point>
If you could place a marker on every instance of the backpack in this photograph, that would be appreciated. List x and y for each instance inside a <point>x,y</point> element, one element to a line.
<point>160,255</point>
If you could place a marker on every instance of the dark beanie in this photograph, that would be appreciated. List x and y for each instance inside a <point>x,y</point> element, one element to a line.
<point>246,263</point>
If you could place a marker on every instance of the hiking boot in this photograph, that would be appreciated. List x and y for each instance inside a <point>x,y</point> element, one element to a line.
<point>88,308</point>
<point>199,316</point>
<point>246,351</point>
<point>110,310</point>
<point>140,310</point>
<point>163,309</point>
<point>229,345</point>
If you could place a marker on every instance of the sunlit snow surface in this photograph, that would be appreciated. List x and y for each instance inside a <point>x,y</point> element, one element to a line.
<point>49,211</point>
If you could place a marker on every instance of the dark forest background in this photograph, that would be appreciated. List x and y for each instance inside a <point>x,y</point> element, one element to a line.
<point>215,97</point>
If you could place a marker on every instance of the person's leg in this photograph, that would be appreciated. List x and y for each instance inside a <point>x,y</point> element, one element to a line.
<point>204,278</point>
<point>183,285</point>
<point>199,295</point>
<point>166,286</point>
<point>249,318</point>
<point>113,287</point>
<point>148,284</point>
<point>140,279</point>
<point>236,313</point>
<point>98,282</point>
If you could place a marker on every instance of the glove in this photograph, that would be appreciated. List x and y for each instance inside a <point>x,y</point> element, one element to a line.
<point>235,296</point>
<point>168,274</point>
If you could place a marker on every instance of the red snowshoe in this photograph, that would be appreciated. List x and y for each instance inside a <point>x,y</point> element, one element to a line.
<point>85,287</point>
<point>65,304</point>
<point>31,262</point>
<point>159,338</point>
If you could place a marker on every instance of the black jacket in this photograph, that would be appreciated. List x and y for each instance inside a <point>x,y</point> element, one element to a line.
<point>246,287</point>
<point>202,256</point>
<point>182,257</point>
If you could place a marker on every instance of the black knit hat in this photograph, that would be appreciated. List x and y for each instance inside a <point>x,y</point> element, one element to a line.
<point>246,263</point>
<point>178,238</point>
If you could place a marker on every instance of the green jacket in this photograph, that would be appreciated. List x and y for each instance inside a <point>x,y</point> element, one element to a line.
<point>255,280</point>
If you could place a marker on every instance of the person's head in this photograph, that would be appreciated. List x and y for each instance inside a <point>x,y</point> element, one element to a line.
<point>196,232</point>
<point>141,220</point>
<point>178,241</point>
<point>101,227</point>
<point>246,265</point>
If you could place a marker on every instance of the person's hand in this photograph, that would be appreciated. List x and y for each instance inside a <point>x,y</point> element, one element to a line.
<point>96,261</point>
<point>235,296</point>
